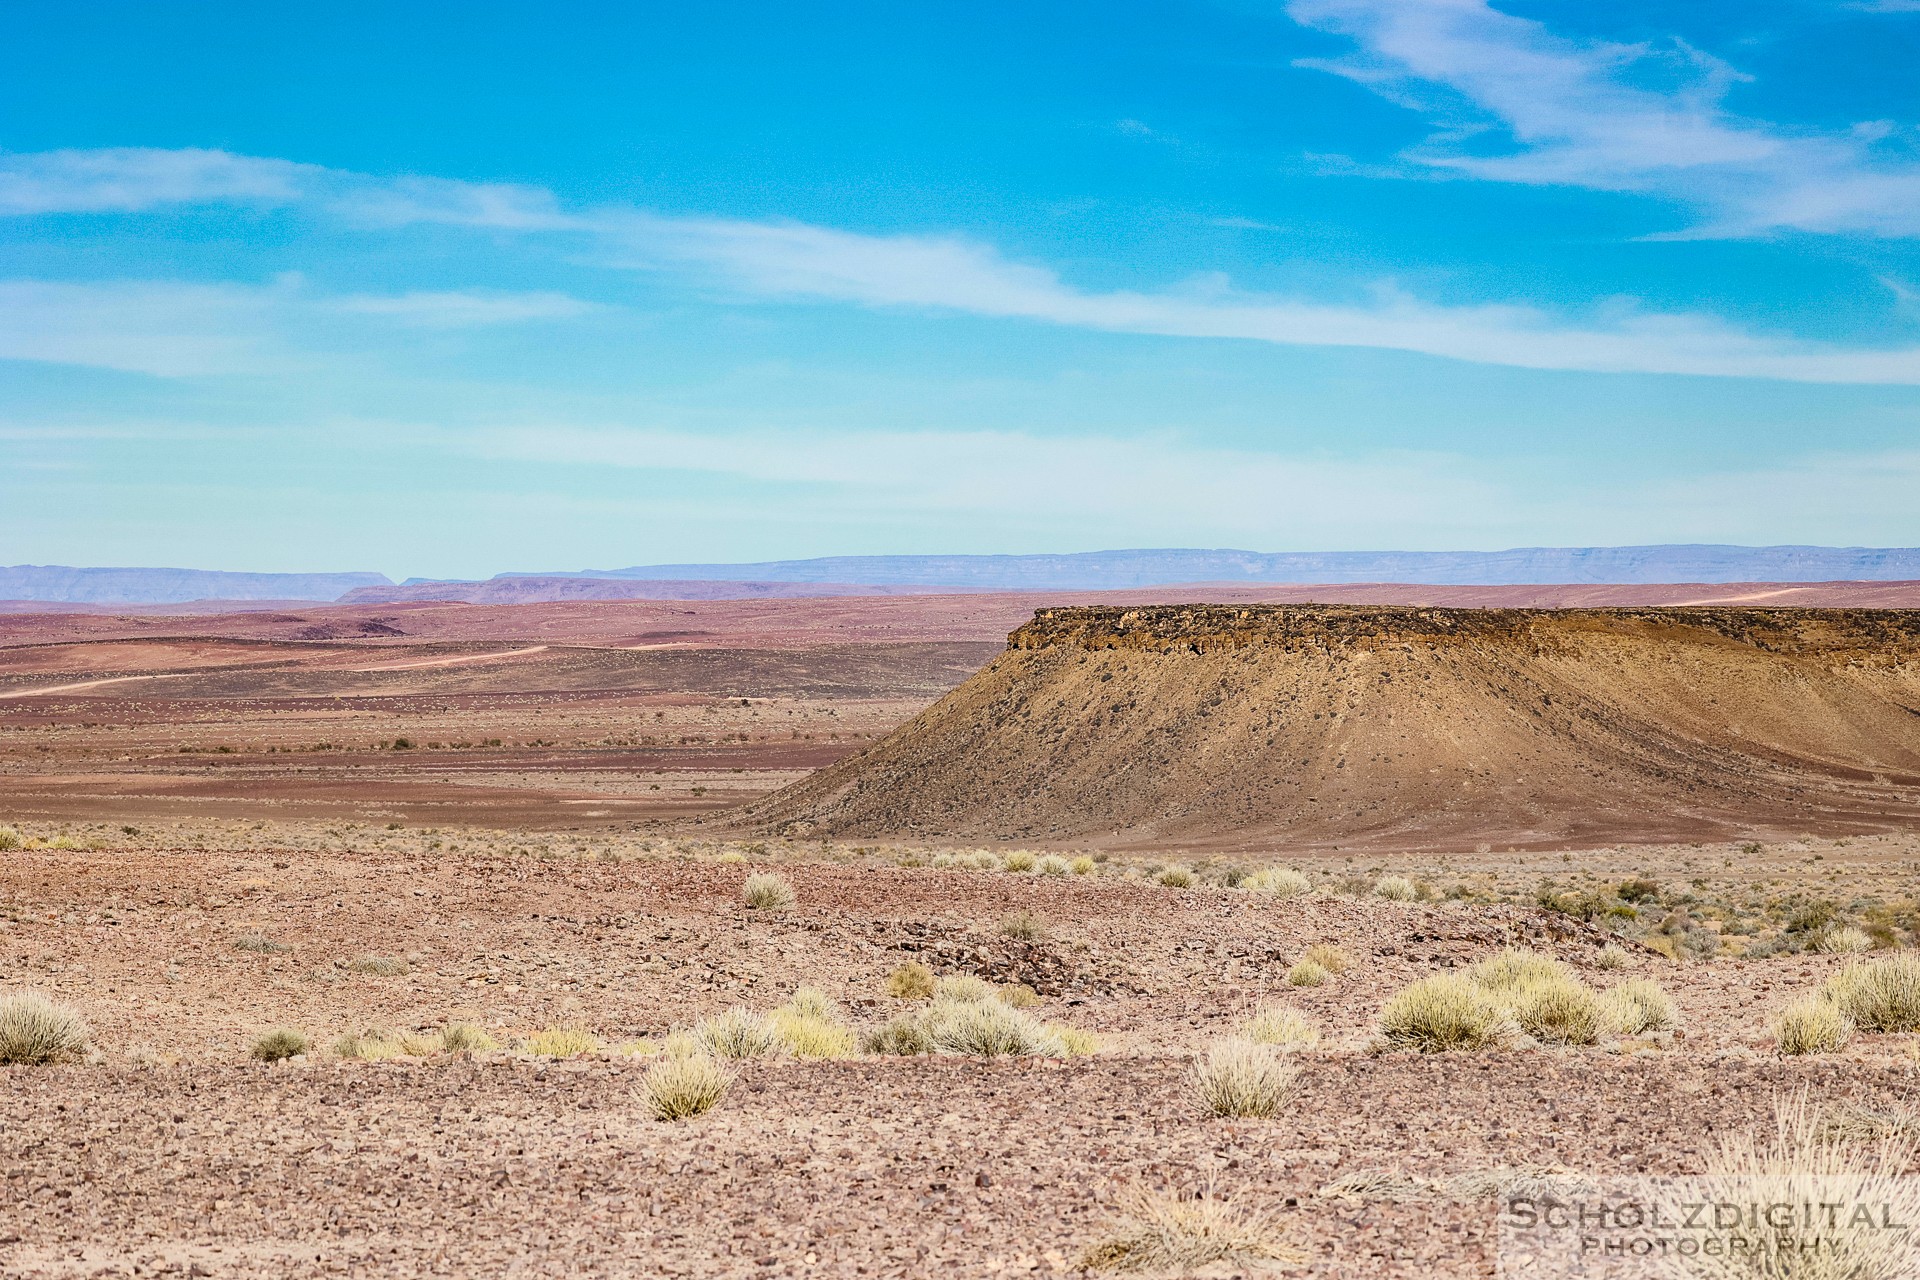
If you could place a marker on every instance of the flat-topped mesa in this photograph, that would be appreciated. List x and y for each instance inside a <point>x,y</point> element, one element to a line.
<point>1206,628</point>
<point>1275,726</point>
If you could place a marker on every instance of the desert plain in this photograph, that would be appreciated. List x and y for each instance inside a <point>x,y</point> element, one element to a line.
<point>538,823</point>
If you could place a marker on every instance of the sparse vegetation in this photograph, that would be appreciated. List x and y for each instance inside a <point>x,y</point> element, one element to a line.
<point>1017,860</point>
<point>1812,1025</point>
<point>1176,877</point>
<point>1053,865</point>
<point>1445,1013</point>
<point>809,1026</point>
<point>279,1043</point>
<point>1282,1028</point>
<point>465,1037</point>
<point>1879,995</point>
<point>679,1087</point>
<point>1308,973</point>
<point>964,987</point>
<point>1637,1006</point>
<point>34,1031</point>
<point>967,1016</point>
<point>1330,958</point>
<point>1083,865</point>
<point>381,966</point>
<point>765,891</point>
<point>1023,926</point>
<point>1396,889</point>
<point>563,1042</point>
<point>1243,1078</point>
<point>1611,957</point>
<point>1161,1233</point>
<point>260,943</point>
<point>9,839</point>
<point>738,1033</point>
<point>1277,882</point>
<point>911,981</point>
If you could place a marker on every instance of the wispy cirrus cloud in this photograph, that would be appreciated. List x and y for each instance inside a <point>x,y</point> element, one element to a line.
<point>130,179</point>
<point>948,273</point>
<point>1513,102</point>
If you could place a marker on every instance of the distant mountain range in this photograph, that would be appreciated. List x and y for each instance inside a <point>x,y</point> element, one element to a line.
<point>1083,571</point>
<point>1099,570</point>
<point>60,583</point>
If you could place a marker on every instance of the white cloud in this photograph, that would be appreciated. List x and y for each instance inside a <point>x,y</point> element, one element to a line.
<point>463,309</point>
<point>174,329</point>
<point>952,273</point>
<point>1516,103</point>
<point>129,179</point>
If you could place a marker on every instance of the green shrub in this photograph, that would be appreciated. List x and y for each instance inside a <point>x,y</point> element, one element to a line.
<point>1308,973</point>
<point>1812,1025</point>
<point>1879,995</point>
<point>1639,1005</point>
<point>1444,1013</point>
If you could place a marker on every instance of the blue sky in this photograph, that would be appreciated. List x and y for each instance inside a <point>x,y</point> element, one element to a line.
<point>447,290</point>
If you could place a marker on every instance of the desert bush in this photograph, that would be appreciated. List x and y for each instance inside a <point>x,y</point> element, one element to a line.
<point>987,1029</point>
<point>368,1046</point>
<point>1513,970</point>
<point>738,1033</point>
<point>465,1037</point>
<point>905,1036</point>
<point>764,891</point>
<point>1083,865</point>
<point>9,839</point>
<point>1444,1013</point>
<point>679,1088</point>
<point>1812,1025</point>
<point>1639,1005</point>
<point>1611,957</point>
<point>1330,958</point>
<point>1242,1078</point>
<point>1879,995</point>
<point>260,943</point>
<point>279,1043</point>
<point>1396,889</point>
<point>563,1042</point>
<point>1558,1012</point>
<point>1801,1159</point>
<point>981,860</point>
<point>943,862</point>
<point>382,966</point>
<point>1023,926</point>
<point>1163,1234</point>
<point>1308,973</point>
<point>1017,860</point>
<point>911,981</point>
<point>1637,889</point>
<point>1053,865</point>
<point>963,986</point>
<point>1176,877</point>
<point>34,1031</point>
<point>1074,1042</point>
<point>1282,1028</point>
<point>809,1026</point>
<point>1278,882</point>
<point>1842,941</point>
<point>1017,995</point>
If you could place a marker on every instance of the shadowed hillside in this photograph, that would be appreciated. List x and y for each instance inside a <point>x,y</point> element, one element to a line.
<point>1387,727</point>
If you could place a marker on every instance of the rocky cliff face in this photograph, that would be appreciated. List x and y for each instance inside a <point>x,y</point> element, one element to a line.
<point>1388,727</point>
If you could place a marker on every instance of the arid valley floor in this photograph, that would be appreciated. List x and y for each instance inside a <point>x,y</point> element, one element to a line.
<point>367,824</point>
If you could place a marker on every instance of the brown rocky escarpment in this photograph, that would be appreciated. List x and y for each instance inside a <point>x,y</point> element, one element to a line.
<point>1390,727</point>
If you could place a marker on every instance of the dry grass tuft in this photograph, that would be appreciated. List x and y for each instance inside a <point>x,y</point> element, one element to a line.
<point>1176,877</point>
<point>904,1036</point>
<point>679,1088</point>
<point>1083,865</point>
<point>563,1042</point>
<point>1159,1233</point>
<point>1308,973</point>
<point>972,1018</point>
<point>1559,1012</point>
<point>764,891</point>
<point>1879,995</point>
<point>738,1033</point>
<point>278,1044</point>
<point>1396,889</point>
<point>1842,941</point>
<point>911,981</point>
<point>34,1031</point>
<point>1023,926</point>
<point>1281,1028</point>
<point>465,1037</point>
<point>963,986</point>
<point>1017,860</point>
<point>1444,1013</point>
<point>1278,882</point>
<point>1515,970</point>
<point>809,1026</point>
<point>1053,865</point>
<point>1330,958</point>
<point>1639,1005</point>
<point>1243,1078</point>
<point>1812,1025</point>
<point>9,839</point>
<point>260,944</point>
<point>380,966</point>
<point>368,1046</point>
<point>1612,957</point>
